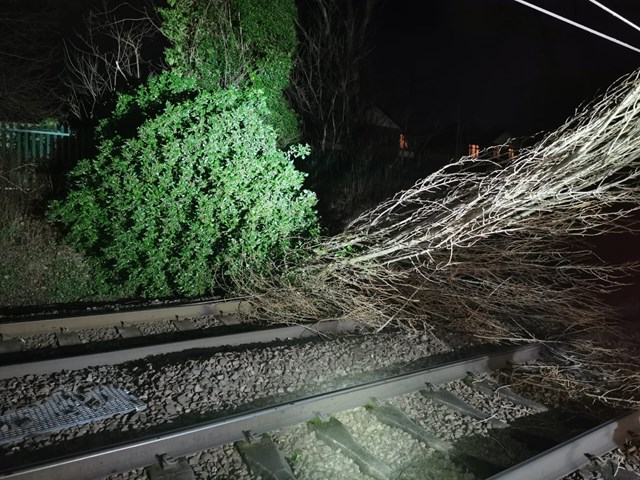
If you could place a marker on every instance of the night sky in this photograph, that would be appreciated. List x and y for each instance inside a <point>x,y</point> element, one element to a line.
<point>494,66</point>
<point>486,67</point>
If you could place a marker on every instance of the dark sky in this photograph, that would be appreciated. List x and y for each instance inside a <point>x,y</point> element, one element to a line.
<point>495,65</point>
<point>488,66</point>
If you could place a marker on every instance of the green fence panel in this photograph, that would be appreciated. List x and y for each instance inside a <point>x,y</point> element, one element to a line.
<point>28,148</point>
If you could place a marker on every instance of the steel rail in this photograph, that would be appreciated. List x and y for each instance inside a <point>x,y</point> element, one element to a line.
<point>14,327</point>
<point>140,453</point>
<point>570,456</point>
<point>116,357</point>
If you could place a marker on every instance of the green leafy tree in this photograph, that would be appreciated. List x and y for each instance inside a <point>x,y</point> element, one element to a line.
<point>234,43</point>
<point>191,185</point>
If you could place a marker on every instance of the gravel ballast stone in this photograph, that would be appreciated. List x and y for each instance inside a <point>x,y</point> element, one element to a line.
<point>93,335</point>
<point>183,388</point>
<point>38,340</point>
<point>215,381</point>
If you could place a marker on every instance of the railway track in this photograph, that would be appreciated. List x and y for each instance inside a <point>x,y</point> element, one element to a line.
<point>31,332</point>
<point>186,327</point>
<point>321,401</point>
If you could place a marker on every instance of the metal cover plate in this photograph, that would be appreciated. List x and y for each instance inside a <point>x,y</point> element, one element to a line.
<point>64,409</point>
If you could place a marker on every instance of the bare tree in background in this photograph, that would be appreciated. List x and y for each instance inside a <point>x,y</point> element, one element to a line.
<point>29,55</point>
<point>107,56</point>
<point>333,41</point>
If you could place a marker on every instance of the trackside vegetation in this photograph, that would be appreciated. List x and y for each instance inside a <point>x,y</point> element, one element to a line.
<point>194,183</point>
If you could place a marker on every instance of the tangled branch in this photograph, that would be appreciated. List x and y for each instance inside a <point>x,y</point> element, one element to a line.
<point>108,56</point>
<point>490,247</point>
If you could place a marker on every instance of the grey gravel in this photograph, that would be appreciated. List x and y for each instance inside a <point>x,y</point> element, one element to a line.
<point>409,458</point>
<point>207,321</point>
<point>137,474</point>
<point>155,328</point>
<point>314,460</point>
<point>473,437</point>
<point>38,340</point>
<point>500,408</point>
<point>91,335</point>
<point>99,334</point>
<point>311,459</point>
<point>220,381</point>
<point>220,463</point>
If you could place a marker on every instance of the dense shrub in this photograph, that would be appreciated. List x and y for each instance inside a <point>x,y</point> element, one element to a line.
<point>199,193</point>
<point>190,185</point>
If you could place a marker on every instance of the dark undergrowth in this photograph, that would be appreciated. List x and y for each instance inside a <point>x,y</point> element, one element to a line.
<point>35,266</point>
<point>348,183</point>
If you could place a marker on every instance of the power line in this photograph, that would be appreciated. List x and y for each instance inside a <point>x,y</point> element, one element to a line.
<point>617,15</point>
<point>579,25</point>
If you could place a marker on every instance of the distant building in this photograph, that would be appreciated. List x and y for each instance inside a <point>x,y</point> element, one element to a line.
<point>381,130</point>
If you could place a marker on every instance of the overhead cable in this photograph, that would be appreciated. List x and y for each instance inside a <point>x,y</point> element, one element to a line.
<point>615,14</point>
<point>578,25</point>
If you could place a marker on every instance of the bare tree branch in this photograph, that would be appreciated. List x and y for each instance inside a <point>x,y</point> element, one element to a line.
<point>493,249</point>
<point>325,81</point>
<point>107,57</point>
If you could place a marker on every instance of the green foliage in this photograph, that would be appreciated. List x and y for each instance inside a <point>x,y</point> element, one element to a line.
<point>190,187</point>
<point>236,43</point>
<point>200,193</point>
<point>469,379</point>
<point>295,457</point>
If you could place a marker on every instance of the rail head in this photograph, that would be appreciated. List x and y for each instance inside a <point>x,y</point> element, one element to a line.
<point>14,328</point>
<point>573,454</point>
<point>246,336</point>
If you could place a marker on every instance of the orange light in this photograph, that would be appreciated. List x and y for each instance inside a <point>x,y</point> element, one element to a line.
<point>474,150</point>
<point>403,142</point>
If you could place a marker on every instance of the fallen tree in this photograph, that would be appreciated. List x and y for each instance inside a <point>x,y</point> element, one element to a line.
<point>493,248</point>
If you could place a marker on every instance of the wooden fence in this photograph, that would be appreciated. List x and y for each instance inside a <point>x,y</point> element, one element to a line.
<point>31,153</point>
